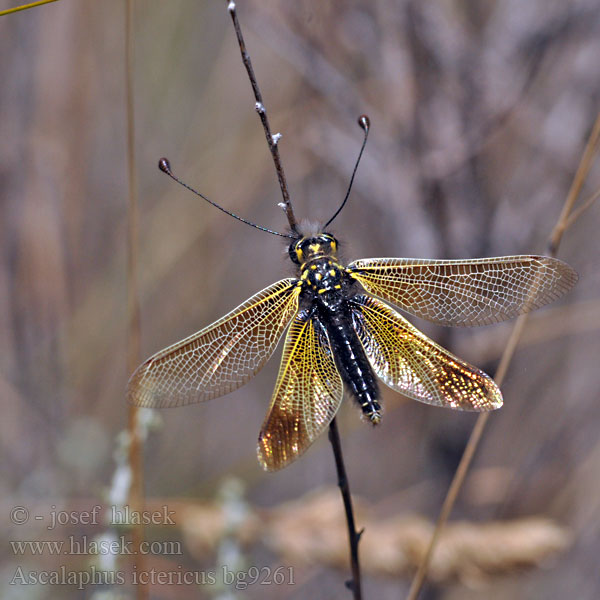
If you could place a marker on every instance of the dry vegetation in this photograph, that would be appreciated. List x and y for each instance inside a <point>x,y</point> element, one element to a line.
<point>479,111</point>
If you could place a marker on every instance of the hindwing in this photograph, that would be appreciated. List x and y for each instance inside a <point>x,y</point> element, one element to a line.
<point>410,363</point>
<point>307,395</point>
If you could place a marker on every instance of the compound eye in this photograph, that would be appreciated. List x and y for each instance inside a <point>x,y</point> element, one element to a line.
<point>329,239</point>
<point>296,253</point>
<point>299,251</point>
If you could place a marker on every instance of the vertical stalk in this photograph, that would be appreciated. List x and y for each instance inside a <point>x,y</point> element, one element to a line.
<point>136,496</point>
<point>272,140</point>
<point>353,536</point>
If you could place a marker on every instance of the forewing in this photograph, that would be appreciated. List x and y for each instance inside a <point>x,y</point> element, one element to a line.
<point>466,292</point>
<point>219,358</point>
<point>409,362</point>
<point>307,395</point>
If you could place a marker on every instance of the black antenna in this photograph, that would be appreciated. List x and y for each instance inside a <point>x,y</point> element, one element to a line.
<point>364,123</point>
<point>272,140</point>
<point>165,166</point>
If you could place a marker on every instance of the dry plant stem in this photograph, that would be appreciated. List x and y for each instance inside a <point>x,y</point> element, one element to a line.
<point>581,209</point>
<point>136,497</point>
<point>353,536</point>
<point>334,436</point>
<point>567,217</point>
<point>262,113</point>
<point>9,11</point>
<point>465,462</point>
<point>580,176</point>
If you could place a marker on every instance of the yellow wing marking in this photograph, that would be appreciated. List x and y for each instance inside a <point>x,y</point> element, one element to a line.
<point>307,395</point>
<point>409,362</point>
<point>466,292</point>
<point>220,358</point>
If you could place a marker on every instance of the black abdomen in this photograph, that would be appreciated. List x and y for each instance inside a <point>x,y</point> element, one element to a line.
<point>351,360</point>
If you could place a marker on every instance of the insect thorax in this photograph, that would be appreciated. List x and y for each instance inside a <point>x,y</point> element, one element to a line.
<point>323,274</point>
<point>322,277</point>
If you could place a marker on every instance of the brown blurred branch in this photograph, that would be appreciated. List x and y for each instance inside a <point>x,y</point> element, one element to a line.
<point>581,209</point>
<point>585,164</point>
<point>136,492</point>
<point>467,457</point>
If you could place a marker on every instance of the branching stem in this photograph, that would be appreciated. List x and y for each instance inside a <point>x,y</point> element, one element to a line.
<point>272,140</point>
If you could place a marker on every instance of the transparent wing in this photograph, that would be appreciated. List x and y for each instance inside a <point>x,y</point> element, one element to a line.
<point>307,395</point>
<point>220,358</point>
<point>466,292</point>
<point>409,362</point>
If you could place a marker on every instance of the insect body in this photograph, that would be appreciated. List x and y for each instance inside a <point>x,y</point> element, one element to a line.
<point>327,289</point>
<point>342,334</point>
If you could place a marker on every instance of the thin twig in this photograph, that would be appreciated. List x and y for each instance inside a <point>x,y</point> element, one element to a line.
<point>574,215</point>
<point>136,496</point>
<point>10,11</point>
<point>580,176</point>
<point>564,221</point>
<point>272,141</point>
<point>353,536</point>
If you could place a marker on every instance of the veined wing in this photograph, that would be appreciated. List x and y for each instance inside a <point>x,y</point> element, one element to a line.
<point>409,362</point>
<point>466,292</point>
<point>307,395</point>
<point>220,358</point>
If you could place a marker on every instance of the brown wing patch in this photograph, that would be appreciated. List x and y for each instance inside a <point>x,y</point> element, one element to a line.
<point>409,362</point>
<point>307,396</point>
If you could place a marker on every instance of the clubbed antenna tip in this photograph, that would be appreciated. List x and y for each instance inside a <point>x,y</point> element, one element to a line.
<point>164,165</point>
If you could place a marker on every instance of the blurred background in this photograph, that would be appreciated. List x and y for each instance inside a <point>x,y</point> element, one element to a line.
<point>479,112</point>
